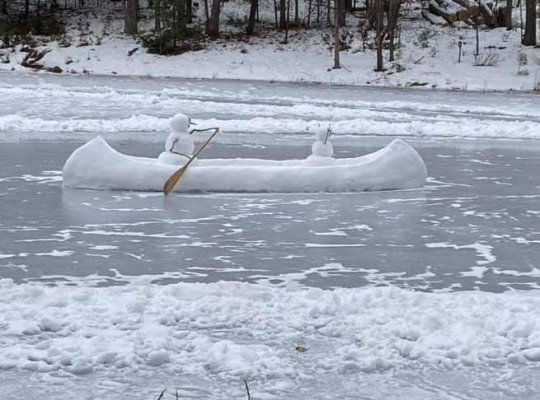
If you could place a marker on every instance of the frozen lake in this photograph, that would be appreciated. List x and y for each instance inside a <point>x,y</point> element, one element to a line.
<point>475,225</point>
<point>421,294</point>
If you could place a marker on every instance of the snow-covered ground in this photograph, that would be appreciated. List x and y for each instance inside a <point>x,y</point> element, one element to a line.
<point>428,55</point>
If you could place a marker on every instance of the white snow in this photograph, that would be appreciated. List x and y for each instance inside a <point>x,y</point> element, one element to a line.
<point>484,251</point>
<point>179,140</point>
<point>428,56</point>
<point>396,166</point>
<point>141,127</point>
<point>143,114</point>
<point>233,330</point>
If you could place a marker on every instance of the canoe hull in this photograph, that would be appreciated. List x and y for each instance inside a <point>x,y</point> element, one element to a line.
<point>96,165</point>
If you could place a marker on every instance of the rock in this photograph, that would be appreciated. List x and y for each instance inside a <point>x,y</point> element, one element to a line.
<point>56,69</point>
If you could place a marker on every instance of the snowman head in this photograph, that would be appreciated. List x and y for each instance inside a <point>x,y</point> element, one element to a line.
<point>180,123</point>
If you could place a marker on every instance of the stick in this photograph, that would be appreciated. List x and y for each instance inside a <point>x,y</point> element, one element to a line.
<point>174,178</point>
<point>161,395</point>
<point>247,389</point>
<point>328,132</point>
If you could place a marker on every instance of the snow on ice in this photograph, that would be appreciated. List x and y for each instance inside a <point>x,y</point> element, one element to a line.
<point>251,330</point>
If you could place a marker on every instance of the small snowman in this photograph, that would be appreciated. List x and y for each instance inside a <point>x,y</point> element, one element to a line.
<point>322,150</point>
<point>179,145</point>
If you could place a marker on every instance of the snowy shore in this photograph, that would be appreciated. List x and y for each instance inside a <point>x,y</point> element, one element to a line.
<point>427,58</point>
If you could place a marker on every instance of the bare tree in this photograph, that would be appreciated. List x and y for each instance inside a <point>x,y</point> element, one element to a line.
<point>529,38</point>
<point>189,11</point>
<point>508,14</point>
<point>206,11</point>
<point>157,16</point>
<point>337,44</point>
<point>282,14</point>
<point>252,14</point>
<point>328,12</point>
<point>276,13</point>
<point>288,20</point>
<point>342,12</point>
<point>26,10</point>
<point>379,13</point>
<point>393,15</point>
<point>181,17</point>
<point>212,24</point>
<point>131,17</point>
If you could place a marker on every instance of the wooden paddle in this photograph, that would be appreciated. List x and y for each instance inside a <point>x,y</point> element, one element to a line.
<point>174,178</point>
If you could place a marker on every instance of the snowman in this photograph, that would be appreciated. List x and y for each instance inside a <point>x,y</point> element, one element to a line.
<point>179,145</point>
<point>322,151</point>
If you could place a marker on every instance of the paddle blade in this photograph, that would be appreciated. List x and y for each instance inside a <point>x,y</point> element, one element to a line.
<point>173,180</point>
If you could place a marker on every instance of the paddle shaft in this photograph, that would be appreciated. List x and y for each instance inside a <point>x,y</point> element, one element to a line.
<point>175,177</point>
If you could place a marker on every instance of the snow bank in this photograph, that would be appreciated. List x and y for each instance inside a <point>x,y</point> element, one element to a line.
<point>431,62</point>
<point>247,330</point>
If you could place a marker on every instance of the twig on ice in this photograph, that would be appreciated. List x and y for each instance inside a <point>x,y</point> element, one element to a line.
<point>247,389</point>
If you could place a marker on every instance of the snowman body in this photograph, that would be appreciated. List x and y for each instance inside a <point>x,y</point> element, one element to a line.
<point>322,150</point>
<point>179,145</point>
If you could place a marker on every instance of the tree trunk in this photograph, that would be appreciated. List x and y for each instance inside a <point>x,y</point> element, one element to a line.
<point>529,38</point>
<point>296,15</point>
<point>393,12</point>
<point>508,14</point>
<point>310,3</point>
<point>337,44</point>
<point>212,25</point>
<point>206,12</point>
<point>282,14</point>
<point>287,21</point>
<point>26,10</point>
<point>252,13</point>
<point>157,15</point>
<point>329,12</point>
<point>276,14</point>
<point>189,11</point>
<point>379,11</point>
<point>181,18</point>
<point>371,14</point>
<point>342,12</point>
<point>477,28</point>
<point>3,7</point>
<point>130,21</point>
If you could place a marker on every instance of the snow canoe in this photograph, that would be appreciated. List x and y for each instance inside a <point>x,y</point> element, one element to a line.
<point>96,165</point>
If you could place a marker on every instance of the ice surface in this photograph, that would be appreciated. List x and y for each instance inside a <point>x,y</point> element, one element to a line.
<point>140,110</point>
